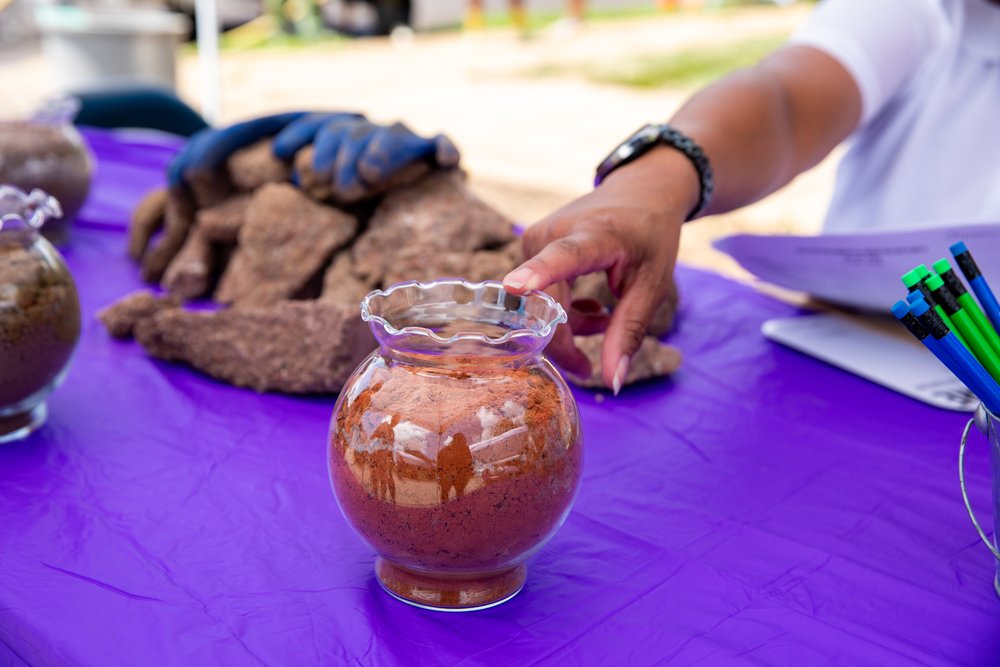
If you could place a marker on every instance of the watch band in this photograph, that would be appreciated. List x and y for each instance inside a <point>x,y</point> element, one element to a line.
<point>654,135</point>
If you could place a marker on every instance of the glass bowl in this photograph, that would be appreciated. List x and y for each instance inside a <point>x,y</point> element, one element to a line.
<point>39,312</point>
<point>48,153</point>
<point>455,448</point>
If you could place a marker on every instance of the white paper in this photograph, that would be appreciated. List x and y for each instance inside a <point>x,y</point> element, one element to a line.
<point>860,270</point>
<point>876,348</point>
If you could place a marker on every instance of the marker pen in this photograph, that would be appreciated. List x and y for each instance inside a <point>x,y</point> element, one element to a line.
<point>963,364</point>
<point>916,280</point>
<point>901,310</point>
<point>970,332</point>
<point>968,303</point>
<point>978,282</point>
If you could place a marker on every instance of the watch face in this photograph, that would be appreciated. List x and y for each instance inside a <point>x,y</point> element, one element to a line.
<point>634,146</point>
<point>646,135</point>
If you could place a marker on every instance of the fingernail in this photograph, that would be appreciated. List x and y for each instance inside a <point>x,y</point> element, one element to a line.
<point>518,278</point>
<point>620,374</point>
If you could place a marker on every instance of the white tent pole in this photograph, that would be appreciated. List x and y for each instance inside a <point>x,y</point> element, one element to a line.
<point>207,34</point>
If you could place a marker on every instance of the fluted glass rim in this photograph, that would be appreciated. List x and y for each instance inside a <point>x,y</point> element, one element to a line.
<point>26,209</point>
<point>557,315</point>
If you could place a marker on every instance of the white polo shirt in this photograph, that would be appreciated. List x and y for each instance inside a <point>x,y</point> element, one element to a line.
<point>927,150</point>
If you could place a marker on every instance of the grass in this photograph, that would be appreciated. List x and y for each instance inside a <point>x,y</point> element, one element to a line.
<point>263,33</point>
<point>538,20</point>
<point>683,69</point>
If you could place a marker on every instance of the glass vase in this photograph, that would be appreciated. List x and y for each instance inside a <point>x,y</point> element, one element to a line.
<point>455,448</point>
<point>39,312</point>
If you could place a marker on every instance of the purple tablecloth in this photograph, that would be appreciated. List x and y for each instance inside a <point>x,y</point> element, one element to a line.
<point>760,508</point>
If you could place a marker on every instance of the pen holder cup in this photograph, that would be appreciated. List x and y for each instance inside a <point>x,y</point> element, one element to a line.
<point>989,425</point>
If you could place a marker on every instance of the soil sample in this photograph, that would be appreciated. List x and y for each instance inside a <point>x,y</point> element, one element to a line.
<point>39,316</point>
<point>455,472</point>
<point>121,317</point>
<point>221,223</point>
<point>293,346</point>
<point>286,240</point>
<point>50,157</point>
<point>415,263</point>
<point>438,214</point>
<point>255,165</point>
<point>653,359</point>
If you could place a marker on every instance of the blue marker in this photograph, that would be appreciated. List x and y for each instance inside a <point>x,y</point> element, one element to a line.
<point>901,310</point>
<point>978,282</point>
<point>960,360</point>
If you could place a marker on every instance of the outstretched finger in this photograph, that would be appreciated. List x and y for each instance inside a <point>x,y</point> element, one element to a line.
<point>627,329</point>
<point>563,259</point>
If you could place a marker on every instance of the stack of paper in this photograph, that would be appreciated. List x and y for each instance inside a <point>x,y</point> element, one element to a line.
<point>859,270</point>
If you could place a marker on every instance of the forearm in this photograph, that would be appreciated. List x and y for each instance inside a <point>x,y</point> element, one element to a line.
<point>761,127</point>
<point>742,124</point>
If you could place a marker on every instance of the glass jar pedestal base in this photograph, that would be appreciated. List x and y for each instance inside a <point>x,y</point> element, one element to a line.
<point>450,593</point>
<point>22,424</point>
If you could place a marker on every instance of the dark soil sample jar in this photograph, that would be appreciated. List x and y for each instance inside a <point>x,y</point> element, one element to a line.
<point>455,448</point>
<point>39,312</point>
<point>52,157</point>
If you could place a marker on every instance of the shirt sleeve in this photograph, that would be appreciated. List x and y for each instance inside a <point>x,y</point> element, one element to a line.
<point>881,43</point>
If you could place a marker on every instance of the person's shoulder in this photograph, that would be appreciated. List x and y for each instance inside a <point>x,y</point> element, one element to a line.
<point>879,11</point>
<point>917,22</point>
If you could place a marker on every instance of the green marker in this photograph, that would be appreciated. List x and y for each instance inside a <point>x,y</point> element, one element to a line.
<point>968,303</point>
<point>970,332</point>
<point>916,280</point>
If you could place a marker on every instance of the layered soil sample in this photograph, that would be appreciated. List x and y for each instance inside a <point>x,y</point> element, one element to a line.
<point>461,471</point>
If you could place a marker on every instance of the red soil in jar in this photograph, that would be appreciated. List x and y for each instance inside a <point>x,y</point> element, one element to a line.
<point>455,471</point>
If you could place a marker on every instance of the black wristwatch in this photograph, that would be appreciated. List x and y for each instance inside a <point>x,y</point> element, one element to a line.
<point>655,135</point>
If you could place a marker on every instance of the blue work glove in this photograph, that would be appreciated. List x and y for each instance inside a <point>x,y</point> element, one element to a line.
<point>354,159</point>
<point>208,150</point>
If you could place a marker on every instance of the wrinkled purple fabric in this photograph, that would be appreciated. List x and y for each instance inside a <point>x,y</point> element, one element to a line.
<point>760,508</point>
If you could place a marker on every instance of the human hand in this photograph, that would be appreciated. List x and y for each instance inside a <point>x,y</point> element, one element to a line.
<point>628,227</point>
